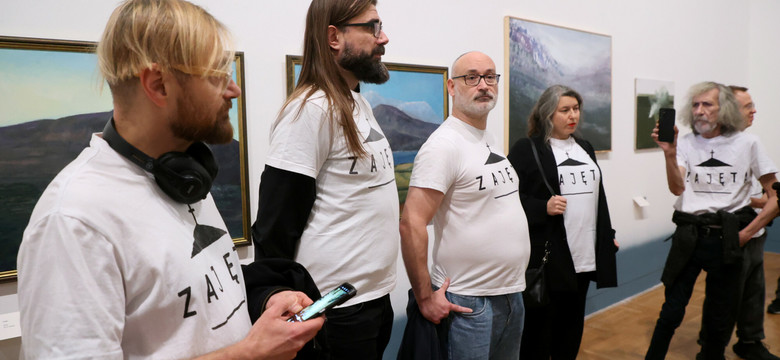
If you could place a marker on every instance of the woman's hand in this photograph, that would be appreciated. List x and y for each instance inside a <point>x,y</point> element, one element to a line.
<point>556,205</point>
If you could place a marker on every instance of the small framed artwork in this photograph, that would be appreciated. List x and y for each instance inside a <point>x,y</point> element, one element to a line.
<point>540,55</point>
<point>53,100</point>
<point>408,107</point>
<point>651,96</point>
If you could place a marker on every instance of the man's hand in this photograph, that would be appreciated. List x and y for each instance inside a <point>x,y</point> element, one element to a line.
<point>272,337</point>
<point>674,173</point>
<point>743,238</point>
<point>665,146</point>
<point>437,307</point>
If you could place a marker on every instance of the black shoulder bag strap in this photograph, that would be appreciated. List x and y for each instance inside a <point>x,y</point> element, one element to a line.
<point>544,178</point>
<point>541,170</point>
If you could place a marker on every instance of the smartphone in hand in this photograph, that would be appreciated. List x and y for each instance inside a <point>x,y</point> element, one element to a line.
<point>335,297</point>
<point>666,125</point>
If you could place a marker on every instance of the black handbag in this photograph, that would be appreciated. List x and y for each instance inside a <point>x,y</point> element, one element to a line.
<point>535,294</point>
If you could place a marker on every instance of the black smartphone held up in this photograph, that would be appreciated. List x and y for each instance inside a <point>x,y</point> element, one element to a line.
<point>335,297</point>
<point>666,125</point>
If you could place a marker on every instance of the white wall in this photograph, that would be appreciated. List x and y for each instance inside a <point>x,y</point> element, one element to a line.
<point>682,41</point>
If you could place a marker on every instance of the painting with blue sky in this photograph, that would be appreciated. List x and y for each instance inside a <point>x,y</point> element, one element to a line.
<point>408,108</point>
<point>52,99</point>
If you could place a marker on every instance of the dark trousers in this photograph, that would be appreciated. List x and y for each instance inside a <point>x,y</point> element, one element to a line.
<point>555,331</point>
<point>750,308</point>
<point>718,316</point>
<point>777,292</point>
<point>360,331</point>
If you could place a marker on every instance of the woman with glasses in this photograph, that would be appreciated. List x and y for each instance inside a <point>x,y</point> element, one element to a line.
<point>563,197</point>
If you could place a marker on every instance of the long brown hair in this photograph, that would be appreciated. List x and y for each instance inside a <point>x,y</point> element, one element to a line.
<point>319,70</point>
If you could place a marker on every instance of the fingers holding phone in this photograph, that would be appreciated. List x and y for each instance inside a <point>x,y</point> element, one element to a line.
<point>665,132</point>
<point>273,337</point>
<point>335,297</point>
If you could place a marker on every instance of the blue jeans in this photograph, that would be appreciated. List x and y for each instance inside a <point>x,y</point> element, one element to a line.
<point>492,331</point>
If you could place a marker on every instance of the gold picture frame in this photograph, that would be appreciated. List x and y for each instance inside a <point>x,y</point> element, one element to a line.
<point>46,80</point>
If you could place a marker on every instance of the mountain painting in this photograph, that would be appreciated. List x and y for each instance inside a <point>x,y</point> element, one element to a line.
<point>541,55</point>
<point>408,107</point>
<point>28,167</point>
<point>52,102</point>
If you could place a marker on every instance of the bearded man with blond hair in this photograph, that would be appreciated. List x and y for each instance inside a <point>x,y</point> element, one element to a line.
<point>126,255</point>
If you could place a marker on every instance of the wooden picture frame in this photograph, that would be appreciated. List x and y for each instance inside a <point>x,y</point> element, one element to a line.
<point>651,96</point>
<point>419,92</point>
<point>49,85</point>
<point>540,55</point>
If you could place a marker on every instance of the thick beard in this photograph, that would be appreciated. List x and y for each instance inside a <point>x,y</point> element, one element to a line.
<point>363,65</point>
<point>192,124</point>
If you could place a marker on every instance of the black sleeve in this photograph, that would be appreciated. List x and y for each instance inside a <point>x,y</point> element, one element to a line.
<point>286,199</point>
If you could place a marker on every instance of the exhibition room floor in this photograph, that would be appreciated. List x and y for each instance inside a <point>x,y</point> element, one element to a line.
<point>623,331</point>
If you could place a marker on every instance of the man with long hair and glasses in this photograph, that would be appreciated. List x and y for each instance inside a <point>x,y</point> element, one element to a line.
<point>126,255</point>
<point>709,170</point>
<point>328,197</point>
<point>463,182</point>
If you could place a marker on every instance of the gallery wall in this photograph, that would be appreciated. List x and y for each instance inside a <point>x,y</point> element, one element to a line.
<point>680,41</point>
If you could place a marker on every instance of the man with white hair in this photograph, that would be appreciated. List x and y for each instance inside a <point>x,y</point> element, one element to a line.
<point>710,170</point>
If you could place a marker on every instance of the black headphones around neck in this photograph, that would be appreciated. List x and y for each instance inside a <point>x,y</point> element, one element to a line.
<point>184,176</point>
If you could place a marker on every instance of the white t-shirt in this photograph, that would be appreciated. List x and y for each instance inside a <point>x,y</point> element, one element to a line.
<point>718,171</point>
<point>352,231</point>
<point>109,268</point>
<point>579,178</point>
<point>481,233</point>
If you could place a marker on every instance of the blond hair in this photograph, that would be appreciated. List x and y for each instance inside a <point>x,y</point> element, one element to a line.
<point>173,34</point>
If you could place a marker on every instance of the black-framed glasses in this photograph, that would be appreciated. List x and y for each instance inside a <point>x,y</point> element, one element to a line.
<point>376,25</point>
<point>473,79</point>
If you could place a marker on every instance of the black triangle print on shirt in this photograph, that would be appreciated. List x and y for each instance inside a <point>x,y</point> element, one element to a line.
<point>713,162</point>
<point>572,162</point>
<point>374,136</point>
<point>204,236</point>
<point>493,157</point>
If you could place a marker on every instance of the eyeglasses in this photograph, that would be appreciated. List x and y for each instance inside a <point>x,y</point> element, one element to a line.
<point>473,79</point>
<point>225,76</point>
<point>377,25</point>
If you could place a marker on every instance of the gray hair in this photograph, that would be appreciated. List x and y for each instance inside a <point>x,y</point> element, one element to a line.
<point>729,117</point>
<point>540,120</point>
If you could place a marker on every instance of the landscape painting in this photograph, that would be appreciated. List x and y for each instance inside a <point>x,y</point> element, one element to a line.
<point>52,101</point>
<point>651,95</point>
<point>408,107</point>
<point>540,55</point>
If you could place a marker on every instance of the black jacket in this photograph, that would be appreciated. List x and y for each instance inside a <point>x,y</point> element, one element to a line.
<point>559,271</point>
